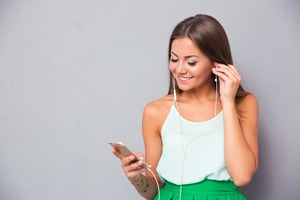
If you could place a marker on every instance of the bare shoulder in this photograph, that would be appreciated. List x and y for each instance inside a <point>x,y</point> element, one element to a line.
<point>157,110</point>
<point>158,106</point>
<point>248,106</point>
<point>247,102</point>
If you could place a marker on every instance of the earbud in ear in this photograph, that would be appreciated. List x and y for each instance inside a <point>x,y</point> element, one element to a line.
<point>216,78</point>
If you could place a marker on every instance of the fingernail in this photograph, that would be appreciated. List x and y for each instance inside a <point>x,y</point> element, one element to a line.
<point>131,157</point>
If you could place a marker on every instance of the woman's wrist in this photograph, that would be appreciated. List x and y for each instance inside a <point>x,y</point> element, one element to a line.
<point>228,101</point>
<point>141,183</point>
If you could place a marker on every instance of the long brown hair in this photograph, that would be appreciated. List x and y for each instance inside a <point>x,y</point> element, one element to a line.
<point>210,37</point>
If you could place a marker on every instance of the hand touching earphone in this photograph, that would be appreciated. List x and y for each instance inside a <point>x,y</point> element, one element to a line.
<point>229,80</point>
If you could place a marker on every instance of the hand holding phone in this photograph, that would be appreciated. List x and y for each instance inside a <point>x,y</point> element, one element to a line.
<point>125,151</point>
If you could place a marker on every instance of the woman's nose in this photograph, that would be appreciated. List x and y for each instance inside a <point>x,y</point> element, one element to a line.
<point>180,68</point>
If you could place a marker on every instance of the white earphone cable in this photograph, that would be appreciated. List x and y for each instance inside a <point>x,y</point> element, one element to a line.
<point>184,149</point>
<point>156,181</point>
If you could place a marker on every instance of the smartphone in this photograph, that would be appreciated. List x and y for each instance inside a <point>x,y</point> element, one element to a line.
<point>125,151</point>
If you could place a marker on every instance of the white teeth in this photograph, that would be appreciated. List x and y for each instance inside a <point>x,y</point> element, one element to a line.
<point>185,78</point>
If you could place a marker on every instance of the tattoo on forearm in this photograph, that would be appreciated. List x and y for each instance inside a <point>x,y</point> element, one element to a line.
<point>141,184</point>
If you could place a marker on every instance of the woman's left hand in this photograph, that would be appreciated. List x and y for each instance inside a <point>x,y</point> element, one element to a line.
<point>229,80</point>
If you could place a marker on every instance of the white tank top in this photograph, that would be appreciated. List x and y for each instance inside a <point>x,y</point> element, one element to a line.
<point>192,151</point>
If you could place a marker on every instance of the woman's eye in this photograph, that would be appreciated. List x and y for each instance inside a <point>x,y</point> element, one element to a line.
<point>192,63</point>
<point>173,60</point>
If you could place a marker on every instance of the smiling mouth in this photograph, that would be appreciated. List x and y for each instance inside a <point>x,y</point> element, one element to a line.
<point>185,78</point>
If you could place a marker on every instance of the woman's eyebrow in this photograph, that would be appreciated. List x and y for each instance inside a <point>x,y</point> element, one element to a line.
<point>174,53</point>
<point>186,57</point>
<point>191,56</point>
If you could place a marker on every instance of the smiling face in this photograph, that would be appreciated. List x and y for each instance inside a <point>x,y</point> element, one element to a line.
<point>188,65</point>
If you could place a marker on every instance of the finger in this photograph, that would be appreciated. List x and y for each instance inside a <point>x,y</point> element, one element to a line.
<point>230,81</point>
<point>222,76</point>
<point>222,72</point>
<point>133,161</point>
<point>116,153</point>
<point>230,68</point>
<point>136,166</point>
<point>234,71</point>
<point>140,156</point>
<point>126,161</point>
<point>132,174</point>
<point>227,71</point>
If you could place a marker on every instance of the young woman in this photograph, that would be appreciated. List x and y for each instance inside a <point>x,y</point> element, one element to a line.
<point>200,139</point>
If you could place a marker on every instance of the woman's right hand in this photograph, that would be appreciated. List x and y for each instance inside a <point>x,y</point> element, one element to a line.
<point>132,167</point>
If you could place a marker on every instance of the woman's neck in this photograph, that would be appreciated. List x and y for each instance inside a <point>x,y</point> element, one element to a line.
<point>199,95</point>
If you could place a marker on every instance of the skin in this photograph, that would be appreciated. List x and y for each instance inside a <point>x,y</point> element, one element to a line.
<point>192,70</point>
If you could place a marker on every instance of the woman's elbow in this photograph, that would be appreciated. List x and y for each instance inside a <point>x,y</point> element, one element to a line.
<point>244,177</point>
<point>242,181</point>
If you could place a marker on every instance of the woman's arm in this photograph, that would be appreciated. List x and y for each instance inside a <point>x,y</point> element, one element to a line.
<point>135,173</point>
<point>240,126</point>
<point>153,118</point>
<point>143,180</point>
<point>241,139</point>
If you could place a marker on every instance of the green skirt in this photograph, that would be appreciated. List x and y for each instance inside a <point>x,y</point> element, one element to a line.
<point>205,190</point>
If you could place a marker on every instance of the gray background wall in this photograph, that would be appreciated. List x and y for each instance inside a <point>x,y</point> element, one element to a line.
<point>75,74</point>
